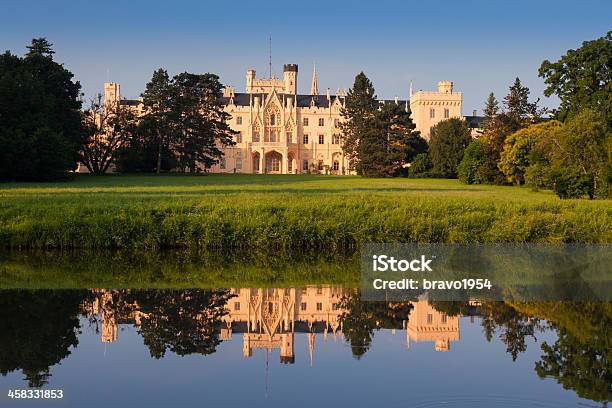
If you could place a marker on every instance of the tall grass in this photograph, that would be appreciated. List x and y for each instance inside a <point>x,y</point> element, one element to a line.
<point>286,213</point>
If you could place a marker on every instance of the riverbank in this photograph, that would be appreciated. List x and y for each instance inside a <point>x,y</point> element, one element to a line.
<point>253,212</point>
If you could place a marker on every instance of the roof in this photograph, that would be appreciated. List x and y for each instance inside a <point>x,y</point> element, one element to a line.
<point>130,102</point>
<point>475,122</point>
<point>303,101</point>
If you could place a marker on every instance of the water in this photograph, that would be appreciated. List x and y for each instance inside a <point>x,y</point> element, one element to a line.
<point>307,345</point>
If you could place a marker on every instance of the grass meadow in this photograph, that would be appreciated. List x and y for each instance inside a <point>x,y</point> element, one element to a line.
<point>285,212</point>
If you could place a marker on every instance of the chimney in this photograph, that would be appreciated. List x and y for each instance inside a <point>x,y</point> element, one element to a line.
<point>474,112</point>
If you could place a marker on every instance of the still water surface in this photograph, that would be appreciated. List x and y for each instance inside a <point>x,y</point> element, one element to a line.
<point>314,345</point>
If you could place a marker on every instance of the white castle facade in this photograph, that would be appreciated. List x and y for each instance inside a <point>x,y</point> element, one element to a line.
<point>282,132</point>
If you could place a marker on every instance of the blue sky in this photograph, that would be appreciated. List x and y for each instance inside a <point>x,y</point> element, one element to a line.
<point>480,45</point>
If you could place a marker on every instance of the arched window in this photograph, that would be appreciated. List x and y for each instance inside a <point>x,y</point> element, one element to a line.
<point>272,120</point>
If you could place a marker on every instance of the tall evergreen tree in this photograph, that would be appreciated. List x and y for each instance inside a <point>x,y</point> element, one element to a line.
<point>490,111</point>
<point>517,102</point>
<point>40,118</point>
<point>157,100</point>
<point>359,108</point>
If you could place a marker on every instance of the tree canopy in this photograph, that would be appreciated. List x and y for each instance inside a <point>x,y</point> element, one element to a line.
<point>40,118</point>
<point>447,142</point>
<point>582,78</point>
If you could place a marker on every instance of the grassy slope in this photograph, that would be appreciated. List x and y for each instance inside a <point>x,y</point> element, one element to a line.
<point>283,212</point>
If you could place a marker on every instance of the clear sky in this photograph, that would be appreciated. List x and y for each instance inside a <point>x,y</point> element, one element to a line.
<point>481,45</point>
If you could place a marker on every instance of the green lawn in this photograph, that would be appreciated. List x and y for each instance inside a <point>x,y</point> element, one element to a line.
<point>285,212</point>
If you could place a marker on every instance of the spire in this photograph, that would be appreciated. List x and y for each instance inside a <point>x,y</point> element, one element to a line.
<point>411,88</point>
<point>314,86</point>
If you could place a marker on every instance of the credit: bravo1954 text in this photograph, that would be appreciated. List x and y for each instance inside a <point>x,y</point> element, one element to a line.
<point>427,284</point>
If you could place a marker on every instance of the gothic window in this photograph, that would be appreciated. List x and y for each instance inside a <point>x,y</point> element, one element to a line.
<point>303,306</point>
<point>272,136</point>
<point>444,319</point>
<point>273,120</point>
<point>305,139</point>
<point>319,291</point>
<point>321,122</point>
<point>321,139</point>
<point>336,165</point>
<point>289,137</point>
<point>336,139</point>
<point>239,137</point>
<point>222,164</point>
<point>429,318</point>
<point>432,113</point>
<point>239,120</point>
<point>237,306</point>
<point>305,165</point>
<point>320,166</point>
<point>238,164</point>
<point>305,121</point>
<point>336,122</point>
<point>446,114</point>
<point>319,307</point>
<point>256,136</point>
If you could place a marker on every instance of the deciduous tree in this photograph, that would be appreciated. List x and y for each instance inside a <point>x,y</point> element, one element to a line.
<point>448,141</point>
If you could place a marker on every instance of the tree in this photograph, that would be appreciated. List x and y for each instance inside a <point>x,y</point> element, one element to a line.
<point>420,166</point>
<point>474,157</point>
<point>447,142</point>
<point>201,124</point>
<point>157,104</point>
<point>183,322</point>
<point>584,143</point>
<point>515,157</point>
<point>490,111</point>
<point>40,118</point>
<point>107,129</point>
<point>517,102</point>
<point>388,142</point>
<point>359,107</point>
<point>40,47</point>
<point>582,79</point>
<point>39,329</point>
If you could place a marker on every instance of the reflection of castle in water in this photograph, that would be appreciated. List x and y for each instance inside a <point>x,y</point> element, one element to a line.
<point>271,318</point>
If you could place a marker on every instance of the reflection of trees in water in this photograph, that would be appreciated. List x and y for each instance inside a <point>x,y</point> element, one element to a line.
<point>38,327</point>
<point>513,327</point>
<point>361,319</point>
<point>181,321</point>
<point>581,357</point>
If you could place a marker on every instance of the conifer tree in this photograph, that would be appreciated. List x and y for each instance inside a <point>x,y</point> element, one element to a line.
<point>157,104</point>
<point>359,107</point>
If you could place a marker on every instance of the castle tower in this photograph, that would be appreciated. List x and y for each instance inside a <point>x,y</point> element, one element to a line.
<point>430,108</point>
<point>314,86</point>
<point>287,356</point>
<point>290,72</point>
<point>112,93</point>
<point>250,78</point>
<point>445,87</point>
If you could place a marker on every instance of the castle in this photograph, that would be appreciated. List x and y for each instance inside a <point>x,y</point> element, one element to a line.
<point>282,132</point>
<point>271,318</point>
